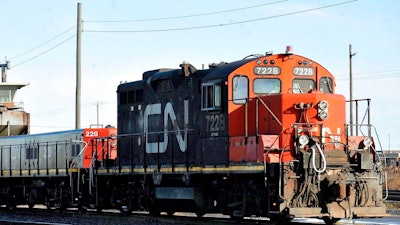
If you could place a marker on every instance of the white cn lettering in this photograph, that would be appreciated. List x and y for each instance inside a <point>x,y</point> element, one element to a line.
<point>169,113</point>
<point>333,137</point>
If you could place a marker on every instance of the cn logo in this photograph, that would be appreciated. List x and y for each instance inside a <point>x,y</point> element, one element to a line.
<point>169,114</point>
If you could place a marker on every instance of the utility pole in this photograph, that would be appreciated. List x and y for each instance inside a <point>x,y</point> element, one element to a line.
<point>97,111</point>
<point>78,70</point>
<point>351,90</point>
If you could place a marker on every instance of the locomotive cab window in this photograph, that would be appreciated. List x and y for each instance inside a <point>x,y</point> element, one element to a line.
<point>240,86</point>
<point>211,96</point>
<point>266,86</point>
<point>302,86</point>
<point>326,85</point>
<point>130,97</point>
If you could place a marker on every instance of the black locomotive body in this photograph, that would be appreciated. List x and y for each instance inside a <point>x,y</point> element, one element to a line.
<point>177,131</point>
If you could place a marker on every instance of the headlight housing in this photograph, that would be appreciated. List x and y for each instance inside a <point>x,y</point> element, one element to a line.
<point>303,140</point>
<point>323,109</point>
<point>367,142</point>
<point>323,105</point>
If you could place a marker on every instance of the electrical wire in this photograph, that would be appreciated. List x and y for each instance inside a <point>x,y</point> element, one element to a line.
<point>44,52</point>
<point>368,76</point>
<point>44,43</point>
<point>222,24</point>
<point>70,108</point>
<point>184,16</point>
<point>378,76</point>
<point>373,72</point>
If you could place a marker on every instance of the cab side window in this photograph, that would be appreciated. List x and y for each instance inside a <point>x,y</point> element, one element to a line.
<point>211,96</point>
<point>240,89</point>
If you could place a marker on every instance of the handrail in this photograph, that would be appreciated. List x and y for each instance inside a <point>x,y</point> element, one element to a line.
<point>77,157</point>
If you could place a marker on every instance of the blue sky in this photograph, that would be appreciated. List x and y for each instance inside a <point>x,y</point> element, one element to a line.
<point>38,37</point>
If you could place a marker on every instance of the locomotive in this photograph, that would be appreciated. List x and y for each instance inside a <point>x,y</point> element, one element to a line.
<point>50,168</point>
<point>263,136</point>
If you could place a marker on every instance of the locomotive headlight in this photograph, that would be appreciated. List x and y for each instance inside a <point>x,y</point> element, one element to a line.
<point>303,140</point>
<point>367,142</point>
<point>323,109</point>
<point>323,105</point>
<point>323,115</point>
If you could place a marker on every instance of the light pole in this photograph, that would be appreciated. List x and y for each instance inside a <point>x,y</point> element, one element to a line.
<point>78,69</point>
<point>97,112</point>
<point>351,89</point>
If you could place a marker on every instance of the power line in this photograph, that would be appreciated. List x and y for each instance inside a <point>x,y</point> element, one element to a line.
<point>184,16</point>
<point>368,77</point>
<point>373,72</point>
<point>34,57</point>
<point>71,108</point>
<point>386,71</point>
<point>44,43</point>
<point>50,126</point>
<point>219,25</point>
<point>377,76</point>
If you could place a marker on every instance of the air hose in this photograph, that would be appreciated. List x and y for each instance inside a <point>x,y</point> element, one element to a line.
<point>321,170</point>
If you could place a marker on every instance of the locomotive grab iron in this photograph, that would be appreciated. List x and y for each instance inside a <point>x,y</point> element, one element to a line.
<point>262,136</point>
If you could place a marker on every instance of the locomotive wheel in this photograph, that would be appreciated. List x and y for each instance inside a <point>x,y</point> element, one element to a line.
<point>235,217</point>
<point>330,221</point>
<point>82,209</point>
<point>280,219</point>
<point>31,205</point>
<point>170,213</point>
<point>200,213</point>
<point>10,204</point>
<point>154,211</point>
<point>126,210</point>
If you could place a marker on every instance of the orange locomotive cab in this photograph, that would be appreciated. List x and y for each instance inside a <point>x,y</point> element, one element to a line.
<point>283,112</point>
<point>277,96</point>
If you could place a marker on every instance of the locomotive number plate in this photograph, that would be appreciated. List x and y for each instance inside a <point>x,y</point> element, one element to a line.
<point>267,70</point>
<point>215,123</point>
<point>303,71</point>
<point>91,133</point>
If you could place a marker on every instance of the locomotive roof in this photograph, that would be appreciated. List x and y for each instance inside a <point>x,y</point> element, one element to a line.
<point>42,134</point>
<point>221,72</point>
<point>127,86</point>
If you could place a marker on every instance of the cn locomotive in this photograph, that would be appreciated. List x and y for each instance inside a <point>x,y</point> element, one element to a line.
<point>262,136</point>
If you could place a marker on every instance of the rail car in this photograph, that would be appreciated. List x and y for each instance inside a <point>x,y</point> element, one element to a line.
<point>261,136</point>
<point>43,168</point>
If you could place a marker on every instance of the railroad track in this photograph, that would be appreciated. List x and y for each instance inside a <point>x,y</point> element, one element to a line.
<point>40,215</point>
<point>43,216</point>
